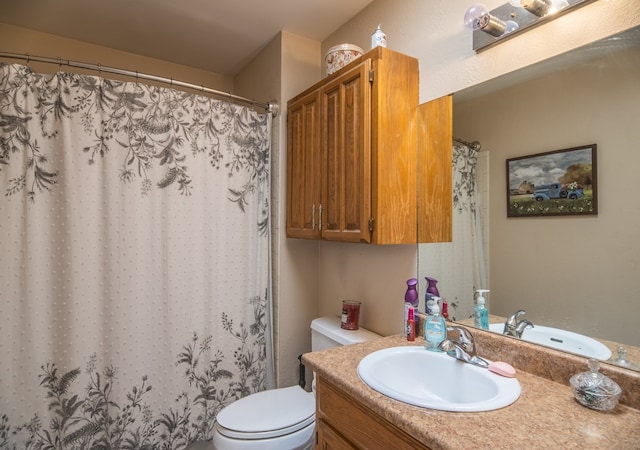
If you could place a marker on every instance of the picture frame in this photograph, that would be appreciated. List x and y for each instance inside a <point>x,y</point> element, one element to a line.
<point>555,183</point>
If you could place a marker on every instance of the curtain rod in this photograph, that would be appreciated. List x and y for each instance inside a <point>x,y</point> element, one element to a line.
<point>271,107</point>
<point>475,145</point>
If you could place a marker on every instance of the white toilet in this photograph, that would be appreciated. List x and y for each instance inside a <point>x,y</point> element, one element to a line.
<point>281,419</point>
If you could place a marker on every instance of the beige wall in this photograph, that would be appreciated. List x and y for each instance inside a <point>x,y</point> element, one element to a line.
<point>21,40</point>
<point>578,273</point>
<point>296,278</point>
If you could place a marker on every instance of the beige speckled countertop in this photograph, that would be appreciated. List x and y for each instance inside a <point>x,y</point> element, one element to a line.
<point>546,416</point>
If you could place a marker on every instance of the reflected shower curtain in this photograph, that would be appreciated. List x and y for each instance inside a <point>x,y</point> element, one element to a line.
<point>461,266</point>
<point>135,277</point>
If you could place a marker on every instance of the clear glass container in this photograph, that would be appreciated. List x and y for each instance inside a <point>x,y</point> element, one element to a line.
<point>595,390</point>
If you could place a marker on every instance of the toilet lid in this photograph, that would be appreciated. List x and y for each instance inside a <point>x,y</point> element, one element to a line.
<point>267,414</point>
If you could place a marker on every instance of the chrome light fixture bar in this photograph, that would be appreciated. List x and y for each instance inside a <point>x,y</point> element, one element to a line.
<point>513,18</point>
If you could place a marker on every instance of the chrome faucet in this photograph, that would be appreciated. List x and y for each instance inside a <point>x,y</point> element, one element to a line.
<point>514,327</point>
<point>464,349</point>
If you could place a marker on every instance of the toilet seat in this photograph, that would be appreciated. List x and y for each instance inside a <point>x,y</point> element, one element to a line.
<point>267,414</point>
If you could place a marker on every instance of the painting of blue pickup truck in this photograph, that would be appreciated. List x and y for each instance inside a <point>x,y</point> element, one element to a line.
<point>561,182</point>
<point>571,191</point>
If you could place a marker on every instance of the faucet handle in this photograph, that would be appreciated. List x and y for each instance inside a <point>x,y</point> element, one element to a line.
<point>523,325</point>
<point>465,338</point>
<point>511,323</point>
<point>514,317</point>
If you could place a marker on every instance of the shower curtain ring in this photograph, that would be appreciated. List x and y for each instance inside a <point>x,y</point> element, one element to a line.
<point>229,102</point>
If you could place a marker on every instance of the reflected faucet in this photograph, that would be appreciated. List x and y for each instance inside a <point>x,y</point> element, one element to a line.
<point>514,327</point>
<point>464,348</point>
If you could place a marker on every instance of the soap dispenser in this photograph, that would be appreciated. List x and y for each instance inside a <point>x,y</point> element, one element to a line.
<point>481,313</point>
<point>435,328</point>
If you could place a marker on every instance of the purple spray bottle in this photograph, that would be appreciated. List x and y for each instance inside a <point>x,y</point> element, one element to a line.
<point>432,291</point>
<point>411,295</point>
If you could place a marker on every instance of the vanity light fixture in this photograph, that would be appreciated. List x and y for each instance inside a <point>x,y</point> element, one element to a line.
<point>540,8</point>
<point>490,27</point>
<point>478,17</point>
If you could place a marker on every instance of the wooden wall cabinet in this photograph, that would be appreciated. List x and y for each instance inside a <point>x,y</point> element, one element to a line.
<point>342,423</point>
<point>352,154</point>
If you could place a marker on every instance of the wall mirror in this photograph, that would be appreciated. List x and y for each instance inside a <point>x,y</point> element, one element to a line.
<point>577,274</point>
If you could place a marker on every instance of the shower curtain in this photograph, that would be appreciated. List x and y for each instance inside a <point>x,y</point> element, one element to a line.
<point>461,266</point>
<point>135,281</point>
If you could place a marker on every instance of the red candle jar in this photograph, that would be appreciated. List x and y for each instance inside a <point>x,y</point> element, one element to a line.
<point>350,314</point>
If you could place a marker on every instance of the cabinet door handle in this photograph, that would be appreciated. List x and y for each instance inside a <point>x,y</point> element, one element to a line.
<point>320,223</point>
<point>313,217</point>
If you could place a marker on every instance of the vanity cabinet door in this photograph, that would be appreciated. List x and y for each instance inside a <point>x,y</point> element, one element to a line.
<point>329,439</point>
<point>345,423</point>
<point>304,167</point>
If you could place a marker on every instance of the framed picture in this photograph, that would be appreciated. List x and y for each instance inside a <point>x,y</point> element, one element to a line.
<point>556,183</point>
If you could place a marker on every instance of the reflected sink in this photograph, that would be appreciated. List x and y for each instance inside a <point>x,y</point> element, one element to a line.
<point>435,380</point>
<point>561,340</point>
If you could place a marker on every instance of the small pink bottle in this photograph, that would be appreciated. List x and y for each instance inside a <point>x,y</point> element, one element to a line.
<point>411,325</point>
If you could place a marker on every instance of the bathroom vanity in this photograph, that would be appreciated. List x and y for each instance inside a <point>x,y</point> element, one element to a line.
<point>349,414</point>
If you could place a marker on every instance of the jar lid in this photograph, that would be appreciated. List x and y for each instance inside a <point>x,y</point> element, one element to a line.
<point>595,390</point>
<point>341,47</point>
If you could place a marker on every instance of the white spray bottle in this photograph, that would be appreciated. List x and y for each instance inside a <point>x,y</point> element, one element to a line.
<point>480,312</point>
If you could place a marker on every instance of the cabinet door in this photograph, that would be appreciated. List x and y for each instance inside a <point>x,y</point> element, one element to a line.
<point>355,425</point>
<point>304,168</point>
<point>329,439</point>
<point>346,149</point>
<point>435,177</point>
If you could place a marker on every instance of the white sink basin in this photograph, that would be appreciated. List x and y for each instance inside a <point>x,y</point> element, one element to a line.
<point>435,380</point>
<point>562,340</point>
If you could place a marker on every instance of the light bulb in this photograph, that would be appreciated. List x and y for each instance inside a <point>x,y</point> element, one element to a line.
<point>478,18</point>
<point>557,5</point>
<point>474,15</point>
<point>512,25</point>
<point>537,7</point>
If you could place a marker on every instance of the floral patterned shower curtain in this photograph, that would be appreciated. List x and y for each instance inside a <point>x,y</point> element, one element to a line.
<point>461,266</point>
<point>135,277</point>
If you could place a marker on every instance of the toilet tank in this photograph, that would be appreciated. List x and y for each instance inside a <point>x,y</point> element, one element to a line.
<point>326,333</point>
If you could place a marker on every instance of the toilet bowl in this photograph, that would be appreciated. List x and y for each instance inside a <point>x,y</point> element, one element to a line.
<point>281,419</point>
<point>275,419</point>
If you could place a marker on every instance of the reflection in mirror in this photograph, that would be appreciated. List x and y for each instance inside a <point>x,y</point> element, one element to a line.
<point>572,273</point>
